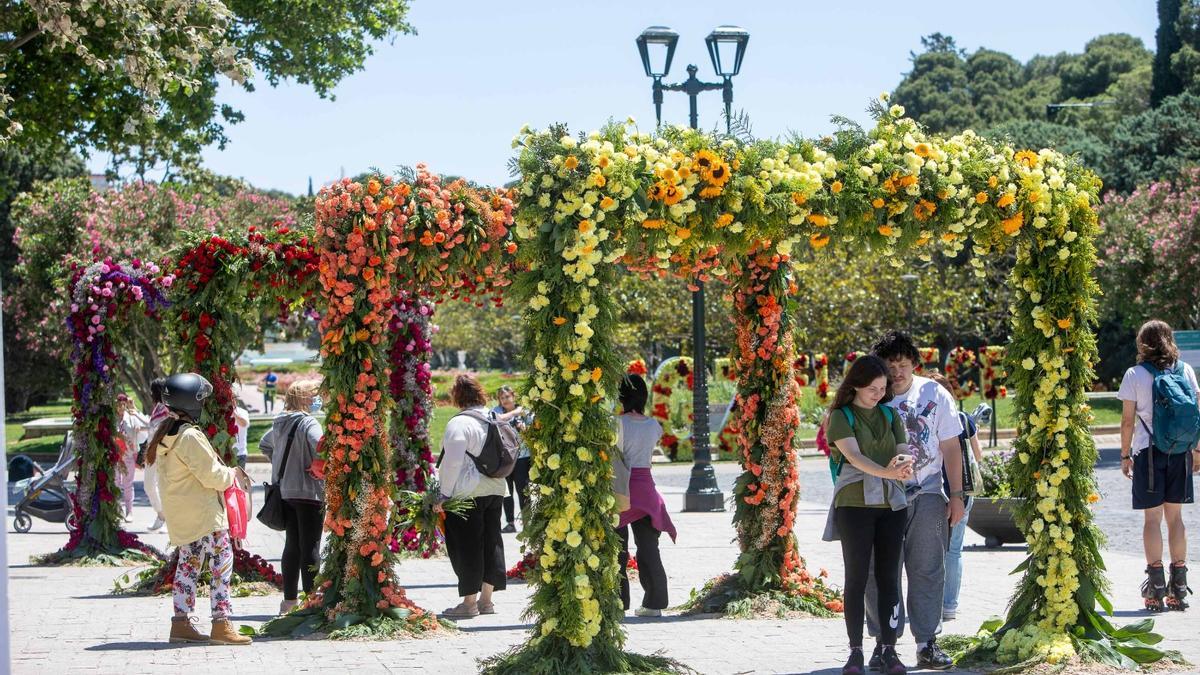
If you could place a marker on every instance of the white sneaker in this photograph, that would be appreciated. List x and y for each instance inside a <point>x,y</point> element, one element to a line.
<point>157,524</point>
<point>948,614</point>
<point>643,611</point>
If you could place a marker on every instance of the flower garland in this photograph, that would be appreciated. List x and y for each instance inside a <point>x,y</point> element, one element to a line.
<point>411,386</point>
<point>931,358</point>
<point>106,298</point>
<point>821,370</point>
<point>357,239</point>
<point>637,367</point>
<point>225,286</point>
<point>958,362</point>
<point>851,357</point>
<point>671,375</point>
<point>686,200</point>
<point>991,371</point>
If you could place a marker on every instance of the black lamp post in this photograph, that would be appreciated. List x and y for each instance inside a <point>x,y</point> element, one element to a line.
<point>726,47</point>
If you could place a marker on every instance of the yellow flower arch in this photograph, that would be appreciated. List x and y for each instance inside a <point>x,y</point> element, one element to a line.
<point>717,207</point>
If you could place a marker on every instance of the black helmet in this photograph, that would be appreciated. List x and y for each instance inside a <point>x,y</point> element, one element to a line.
<point>185,393</point>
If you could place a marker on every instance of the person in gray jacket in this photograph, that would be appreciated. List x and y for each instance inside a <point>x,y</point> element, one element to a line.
<point>291,445</point>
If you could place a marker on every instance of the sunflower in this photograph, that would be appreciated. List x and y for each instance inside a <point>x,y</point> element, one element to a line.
<point>799,199</point>
<point>923,150</point>
<point>706,159</point>
<point>1027,157</point>
<point>819,240</point>
<point>718,175</point>
<point>710,192</point>
<point>657,192</point>
<point>672,195</point>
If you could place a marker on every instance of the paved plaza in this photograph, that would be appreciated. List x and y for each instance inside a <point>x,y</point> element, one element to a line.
<point>65,619</point>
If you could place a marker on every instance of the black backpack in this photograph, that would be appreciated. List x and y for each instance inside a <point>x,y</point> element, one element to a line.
<point>500,448</point>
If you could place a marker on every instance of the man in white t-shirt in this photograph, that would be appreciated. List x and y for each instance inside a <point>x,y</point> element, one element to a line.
<point>931,418</point>
<point>1162,482</point>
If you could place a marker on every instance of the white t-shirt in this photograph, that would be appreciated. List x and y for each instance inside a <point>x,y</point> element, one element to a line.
<point>930,417</point>
<point>1137,386</point>
<point>458,474</point>
<point>243,426</point>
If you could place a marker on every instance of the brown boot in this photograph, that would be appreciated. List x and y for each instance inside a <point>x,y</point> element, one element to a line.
<point>224,634</point>
<point>184,630</point>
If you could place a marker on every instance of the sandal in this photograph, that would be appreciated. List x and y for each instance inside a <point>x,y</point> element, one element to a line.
<point>487,607</point>
<point>461,611</point>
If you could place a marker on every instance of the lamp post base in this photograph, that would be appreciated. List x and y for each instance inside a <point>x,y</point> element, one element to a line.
<point>703,495</point>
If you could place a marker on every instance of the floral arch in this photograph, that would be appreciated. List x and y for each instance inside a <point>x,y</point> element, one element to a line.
<point>105,297</point>
<point>716,206</point>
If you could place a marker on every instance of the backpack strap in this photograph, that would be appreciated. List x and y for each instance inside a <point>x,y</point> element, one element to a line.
<point>842,458</point>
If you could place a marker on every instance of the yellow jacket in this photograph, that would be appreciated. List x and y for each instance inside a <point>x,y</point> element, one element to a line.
<point>191,482</point>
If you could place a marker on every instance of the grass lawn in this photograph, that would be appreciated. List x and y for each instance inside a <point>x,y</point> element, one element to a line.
<point>45,444</point>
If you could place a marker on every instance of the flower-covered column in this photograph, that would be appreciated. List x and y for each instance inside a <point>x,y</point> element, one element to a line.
<point>357,590</point>
<point>767,492</point>
<point>103,295</point>
<point>411,385</point>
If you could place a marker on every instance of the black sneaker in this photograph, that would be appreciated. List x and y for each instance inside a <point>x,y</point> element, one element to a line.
<point>854,665</point>
<point>931,657</point>
<point>876,661</point>
<point>891,664</point>
<point>509,528</point>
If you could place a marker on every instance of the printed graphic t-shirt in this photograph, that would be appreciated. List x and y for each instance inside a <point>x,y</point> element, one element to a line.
<point>930,417</point>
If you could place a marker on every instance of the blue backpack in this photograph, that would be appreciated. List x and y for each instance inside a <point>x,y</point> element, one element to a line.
<point>835,466</point>
<point>1176,417</point>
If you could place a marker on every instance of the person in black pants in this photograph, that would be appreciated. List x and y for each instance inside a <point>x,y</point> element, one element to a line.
<point>518,480</point>
<point>651,573</point>
<point>870,509</point>
<point>291,445</point>
<point>473,540</point>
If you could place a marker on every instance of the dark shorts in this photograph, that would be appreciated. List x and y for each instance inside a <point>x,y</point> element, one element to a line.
<point>1172,479</point>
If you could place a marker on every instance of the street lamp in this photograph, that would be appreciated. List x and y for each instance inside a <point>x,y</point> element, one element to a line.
<point>726,47</point>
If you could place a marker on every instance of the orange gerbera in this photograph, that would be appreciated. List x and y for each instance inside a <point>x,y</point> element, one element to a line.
<point>818,219</point>
<point>1013,223</point>
<point>924,210</point>
<point>571,162</point>
<point>724,219</point>
<point>559,320</point>
<point>799,199</point>
<point>886,230</point>
<point>981,198</point>
<point>1064,323</point>
<point>653,223</point>
<point>1005,200</point>
<point>819,240</point>
<point>923,150</point>
<point>877,202</point>
<point>835,187</point>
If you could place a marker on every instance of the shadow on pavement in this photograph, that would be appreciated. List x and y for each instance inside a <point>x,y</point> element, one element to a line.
<point>140,646</point>
<point>466,627</point>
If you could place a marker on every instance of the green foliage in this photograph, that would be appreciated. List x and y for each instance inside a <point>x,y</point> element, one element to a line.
<point>936,92</point>
<point>1069,140</point>
<point>1167,43</point>
<point>1185,63</point>
<point>1156,144</point>
<point>141,83</point>
<point>1104,60</point>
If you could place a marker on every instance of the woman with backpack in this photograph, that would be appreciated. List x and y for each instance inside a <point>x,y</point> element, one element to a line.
<point>1160,426</point>
<point>869,511</point>
<point>291,445</point>
<point>192,480</point>
<point>473,540</point>
<point>644,510</point>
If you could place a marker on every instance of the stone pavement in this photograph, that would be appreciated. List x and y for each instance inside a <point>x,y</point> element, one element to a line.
<point>65,619</point>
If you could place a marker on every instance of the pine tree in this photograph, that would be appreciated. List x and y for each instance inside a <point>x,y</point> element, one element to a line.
<point>1166,81</point>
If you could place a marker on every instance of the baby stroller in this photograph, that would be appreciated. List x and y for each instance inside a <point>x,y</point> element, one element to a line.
<point>47,496</point>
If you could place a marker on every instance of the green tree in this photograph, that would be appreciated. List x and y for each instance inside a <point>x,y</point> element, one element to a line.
<point>937,90</point>
<point>1104,59</point>
<point>1185,62</point>
<point>1167,42</point>
<point>994,79</point>
<point>1156,144</point>
<point>139,78</point>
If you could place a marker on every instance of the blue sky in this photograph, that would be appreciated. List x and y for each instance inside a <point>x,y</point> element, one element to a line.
<point>454,95</point>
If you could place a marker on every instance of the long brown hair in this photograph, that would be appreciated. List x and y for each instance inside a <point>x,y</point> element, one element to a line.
<point>865,370</point>
<point>168,426</point>
<point>1156,345</point>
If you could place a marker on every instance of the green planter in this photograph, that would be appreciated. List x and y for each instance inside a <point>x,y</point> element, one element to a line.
<point>993,520</point>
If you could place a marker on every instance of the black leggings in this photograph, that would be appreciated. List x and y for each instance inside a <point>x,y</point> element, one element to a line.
<point>650,568</point>
<point>475,546</point>
<point>301,545</point>
<point>864,531</point>
<point>518,484</point>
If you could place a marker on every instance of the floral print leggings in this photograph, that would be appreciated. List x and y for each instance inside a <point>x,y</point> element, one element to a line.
<point>217,548</point>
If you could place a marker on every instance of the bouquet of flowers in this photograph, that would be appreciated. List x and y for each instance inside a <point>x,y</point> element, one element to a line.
<point>416,514</point>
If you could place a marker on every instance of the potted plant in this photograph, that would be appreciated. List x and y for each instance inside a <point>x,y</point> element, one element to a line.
<point>992,510</point>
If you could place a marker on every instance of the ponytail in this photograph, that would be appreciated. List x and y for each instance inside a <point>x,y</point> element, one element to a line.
<point>169,426</point>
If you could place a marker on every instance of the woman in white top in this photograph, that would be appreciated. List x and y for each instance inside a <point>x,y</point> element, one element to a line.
<point>1162,482</point>
<point>135,430</point>
<point>473,540</point>
<point>646,512</point>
